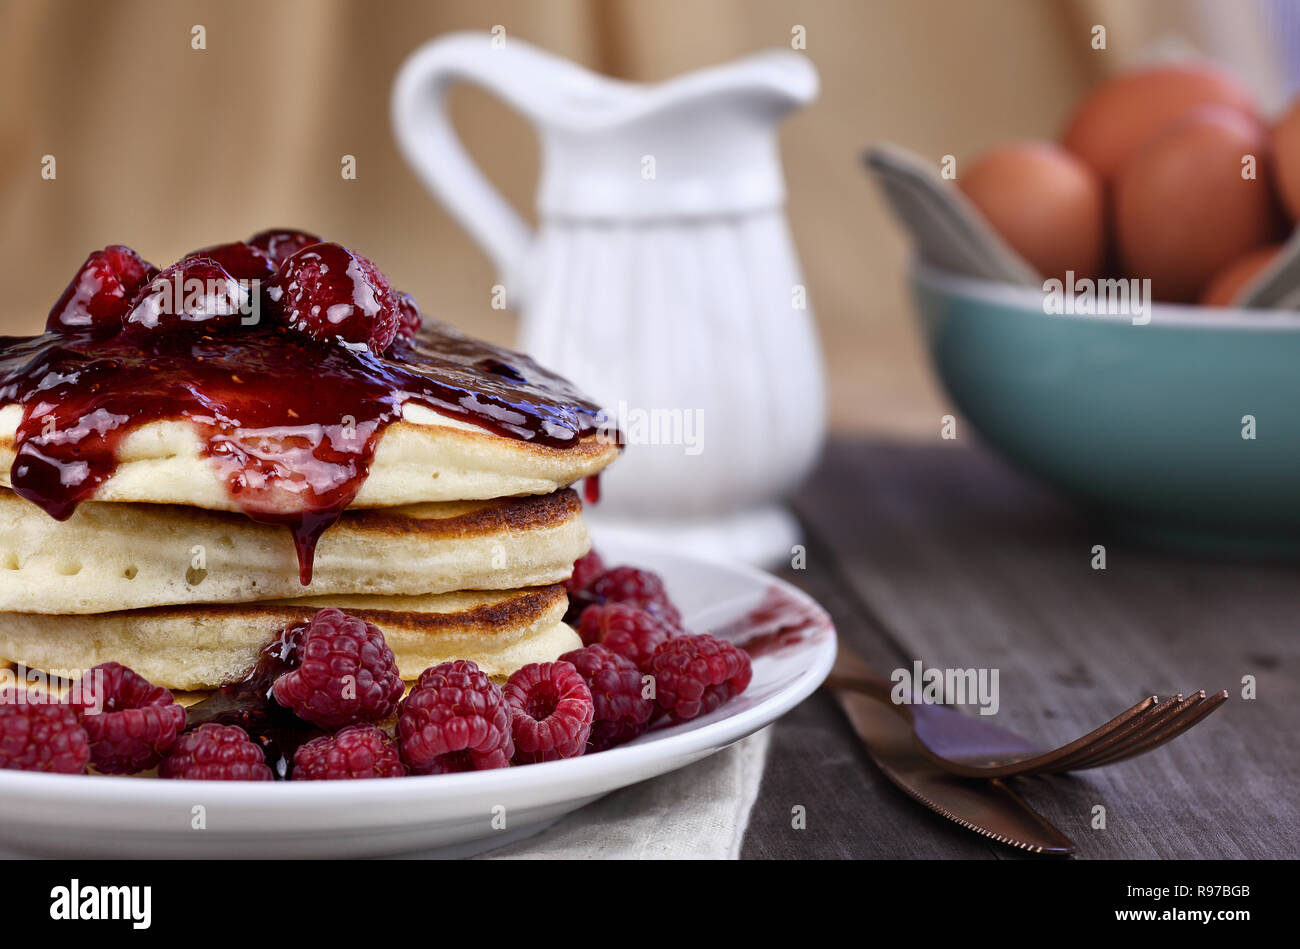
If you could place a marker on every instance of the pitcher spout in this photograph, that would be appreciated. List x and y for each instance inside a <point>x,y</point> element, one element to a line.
<point>698,145</point>
<point>773,81</point>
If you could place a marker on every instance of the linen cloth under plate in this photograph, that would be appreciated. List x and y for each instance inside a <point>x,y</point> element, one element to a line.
<point>697,812</point>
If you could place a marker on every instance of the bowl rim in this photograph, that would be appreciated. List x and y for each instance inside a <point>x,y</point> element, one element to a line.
<point>1163,314</point>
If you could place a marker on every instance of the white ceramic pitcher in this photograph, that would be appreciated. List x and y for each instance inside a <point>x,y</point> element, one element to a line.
<point>662,277</point>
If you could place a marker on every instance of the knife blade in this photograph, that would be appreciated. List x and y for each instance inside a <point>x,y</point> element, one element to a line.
<point>988,807</point>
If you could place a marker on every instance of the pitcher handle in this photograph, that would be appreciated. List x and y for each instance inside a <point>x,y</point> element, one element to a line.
<point>528,80</point>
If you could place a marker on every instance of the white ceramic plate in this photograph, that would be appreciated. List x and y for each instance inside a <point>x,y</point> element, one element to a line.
<point>77,815</point>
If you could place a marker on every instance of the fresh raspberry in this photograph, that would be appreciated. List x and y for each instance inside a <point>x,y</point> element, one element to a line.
<point>358,751</point>
<point>39,734</point>
<point>628,631</point>
<point>694,674</point>
<point>326,291</point>
<point>131,723</point>
<point>346,673</point>
<point>281,243</point>
<point>639,588</point>
<point>550,712</point>
<point>101,292</point>
<point>196,292</point>
<point>455,719</point>
<point>410,319</point>
<point>242,261</point>
<point>620,711</point>
<point>586,570</point>
<point>216,753</point>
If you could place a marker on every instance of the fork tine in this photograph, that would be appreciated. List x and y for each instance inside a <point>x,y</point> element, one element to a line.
<point>1047,759</point>
<point>1042,761</point>
<point>1203,707</point>
<point>1175,710</point>
<point>1119,738</point>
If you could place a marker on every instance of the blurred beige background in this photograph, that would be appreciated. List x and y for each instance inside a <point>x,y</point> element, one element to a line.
<point>167,148</point>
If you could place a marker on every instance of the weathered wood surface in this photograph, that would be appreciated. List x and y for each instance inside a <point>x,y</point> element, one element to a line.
<point>947,555</point>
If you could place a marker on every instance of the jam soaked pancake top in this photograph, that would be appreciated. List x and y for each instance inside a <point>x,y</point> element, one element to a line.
<point>289,421</point>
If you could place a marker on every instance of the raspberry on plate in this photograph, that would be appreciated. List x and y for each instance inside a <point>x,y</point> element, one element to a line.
<point>326,291</point>
<point>242,261</point>
<point>454,719</point>
<point>130,722</point>
<point>631,632</point>
<point>196,292</point>
<point>358,751</point>
<point>39,734</point>
<point>639,588</point>
<point>101,292</point>
<point>694,674</point>
<point>346,673</point>
<point>216,753</point>
<point>550,712</point>
<point>281,243</point>
<point>586,570</point>
<point>620,711</point>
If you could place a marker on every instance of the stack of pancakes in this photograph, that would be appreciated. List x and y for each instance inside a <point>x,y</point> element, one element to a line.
<point>456,546</point>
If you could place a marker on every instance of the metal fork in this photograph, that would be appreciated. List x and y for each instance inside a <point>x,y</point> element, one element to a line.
<point>968,746</point>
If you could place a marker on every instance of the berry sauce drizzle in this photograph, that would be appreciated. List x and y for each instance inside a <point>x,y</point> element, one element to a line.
<point>250,705</point>
<point>778,622</point>
<point>290,423</point>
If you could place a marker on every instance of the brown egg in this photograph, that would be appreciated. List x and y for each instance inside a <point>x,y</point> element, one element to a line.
<point>1286,151</point>
<point>1228,282</point>
<point>1117,118</point>
<point>1183,211</point>
<point>1044,202</point>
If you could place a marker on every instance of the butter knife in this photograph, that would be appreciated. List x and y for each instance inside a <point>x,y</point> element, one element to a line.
<point>988,807</point>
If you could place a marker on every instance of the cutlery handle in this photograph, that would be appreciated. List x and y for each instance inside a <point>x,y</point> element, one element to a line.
<point>870,686</point>
<point>853,674</point>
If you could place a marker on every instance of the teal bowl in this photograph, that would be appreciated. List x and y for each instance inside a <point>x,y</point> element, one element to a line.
<point>1143,424</point>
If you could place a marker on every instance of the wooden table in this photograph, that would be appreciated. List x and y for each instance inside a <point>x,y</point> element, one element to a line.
<point>945,554</point>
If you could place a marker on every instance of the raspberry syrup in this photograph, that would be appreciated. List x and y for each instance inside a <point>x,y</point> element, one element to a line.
<point>778,622</point>
<point>289,423</point>
<point>250,705</point>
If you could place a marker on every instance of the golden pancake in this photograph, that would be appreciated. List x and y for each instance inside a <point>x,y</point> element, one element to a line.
<point>207,646</point>
<point>424,457</point>
<point>109,557</point>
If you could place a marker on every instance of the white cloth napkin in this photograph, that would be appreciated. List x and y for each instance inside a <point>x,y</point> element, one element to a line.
<point>699,812</point>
